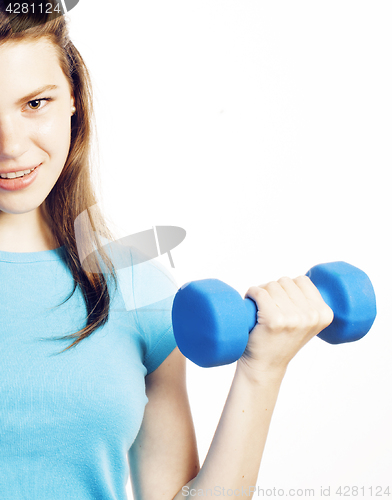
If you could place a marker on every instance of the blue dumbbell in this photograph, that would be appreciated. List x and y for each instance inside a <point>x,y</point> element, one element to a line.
<point>211,321</point>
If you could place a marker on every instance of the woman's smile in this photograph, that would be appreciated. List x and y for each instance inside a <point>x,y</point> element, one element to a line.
<point>19,181</point>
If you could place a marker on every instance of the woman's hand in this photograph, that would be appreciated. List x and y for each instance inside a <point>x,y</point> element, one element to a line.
<point>290,312</point>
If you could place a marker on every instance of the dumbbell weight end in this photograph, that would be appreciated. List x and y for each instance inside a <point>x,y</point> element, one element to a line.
<point>211,322</point>
<point>349,293</point>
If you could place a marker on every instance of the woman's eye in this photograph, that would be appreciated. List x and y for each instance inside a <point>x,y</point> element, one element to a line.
<point>36,104</point>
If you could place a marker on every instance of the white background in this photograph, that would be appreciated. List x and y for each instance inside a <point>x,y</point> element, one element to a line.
<point>264,130</point>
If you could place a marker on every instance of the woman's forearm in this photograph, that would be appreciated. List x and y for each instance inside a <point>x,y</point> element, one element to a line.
<point>234,457</point>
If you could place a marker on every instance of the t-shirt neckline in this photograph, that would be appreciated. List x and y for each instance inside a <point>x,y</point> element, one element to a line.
<point>43,255</point>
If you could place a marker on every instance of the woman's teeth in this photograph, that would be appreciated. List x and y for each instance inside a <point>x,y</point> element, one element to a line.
<point>12,175</point>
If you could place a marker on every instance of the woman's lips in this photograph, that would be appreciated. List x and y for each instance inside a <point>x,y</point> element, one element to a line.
<point>19,182</point>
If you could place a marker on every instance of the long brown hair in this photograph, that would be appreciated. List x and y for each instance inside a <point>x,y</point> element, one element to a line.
<point>73,193</point>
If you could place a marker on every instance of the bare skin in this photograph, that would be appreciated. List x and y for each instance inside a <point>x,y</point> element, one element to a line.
<point>31,132</point>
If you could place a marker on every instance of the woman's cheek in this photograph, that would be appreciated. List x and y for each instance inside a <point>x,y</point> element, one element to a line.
<point>54,136</point>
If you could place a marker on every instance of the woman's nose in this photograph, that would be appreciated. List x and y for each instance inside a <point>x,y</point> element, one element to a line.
<point>12,138</point>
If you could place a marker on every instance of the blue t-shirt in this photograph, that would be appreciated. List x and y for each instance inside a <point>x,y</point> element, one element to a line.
<point>67,421</point>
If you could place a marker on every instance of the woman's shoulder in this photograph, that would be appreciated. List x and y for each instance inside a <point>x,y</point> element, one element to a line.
<point>147,289</point>
<point>143,280</point>
<point>147,280</point>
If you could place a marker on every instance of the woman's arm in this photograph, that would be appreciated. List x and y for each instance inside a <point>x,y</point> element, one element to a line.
<point>290,313</point>
<point>234,457</point>
<point>164,454</point>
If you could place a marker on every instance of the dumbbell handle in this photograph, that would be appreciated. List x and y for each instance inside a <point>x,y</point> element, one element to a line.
<point>337,296</point>
<point>251,313</point>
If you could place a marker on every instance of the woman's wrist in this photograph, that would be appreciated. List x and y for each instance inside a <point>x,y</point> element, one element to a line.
<point>261,374</point>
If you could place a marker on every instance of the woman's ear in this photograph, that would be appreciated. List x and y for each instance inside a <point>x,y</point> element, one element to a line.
<point>73,108</point>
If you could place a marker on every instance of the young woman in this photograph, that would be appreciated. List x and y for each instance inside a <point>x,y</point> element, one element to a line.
<point>74,423</point>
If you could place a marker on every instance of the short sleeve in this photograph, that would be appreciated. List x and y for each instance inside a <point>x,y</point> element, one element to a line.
<point>148,289</point>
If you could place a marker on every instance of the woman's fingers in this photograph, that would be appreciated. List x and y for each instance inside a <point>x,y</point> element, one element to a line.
<point>291,304</point>
<point>263,300</point>
<point>275,310</point>
<point>289,313</point>
<point>314,297</point>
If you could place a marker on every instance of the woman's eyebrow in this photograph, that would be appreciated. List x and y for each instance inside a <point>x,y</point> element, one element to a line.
<point>30,96</point>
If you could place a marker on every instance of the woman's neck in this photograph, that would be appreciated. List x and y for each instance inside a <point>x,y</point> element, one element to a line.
<point>28,232</point>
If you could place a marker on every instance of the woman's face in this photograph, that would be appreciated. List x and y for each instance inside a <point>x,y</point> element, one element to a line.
<point>35,124</point>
